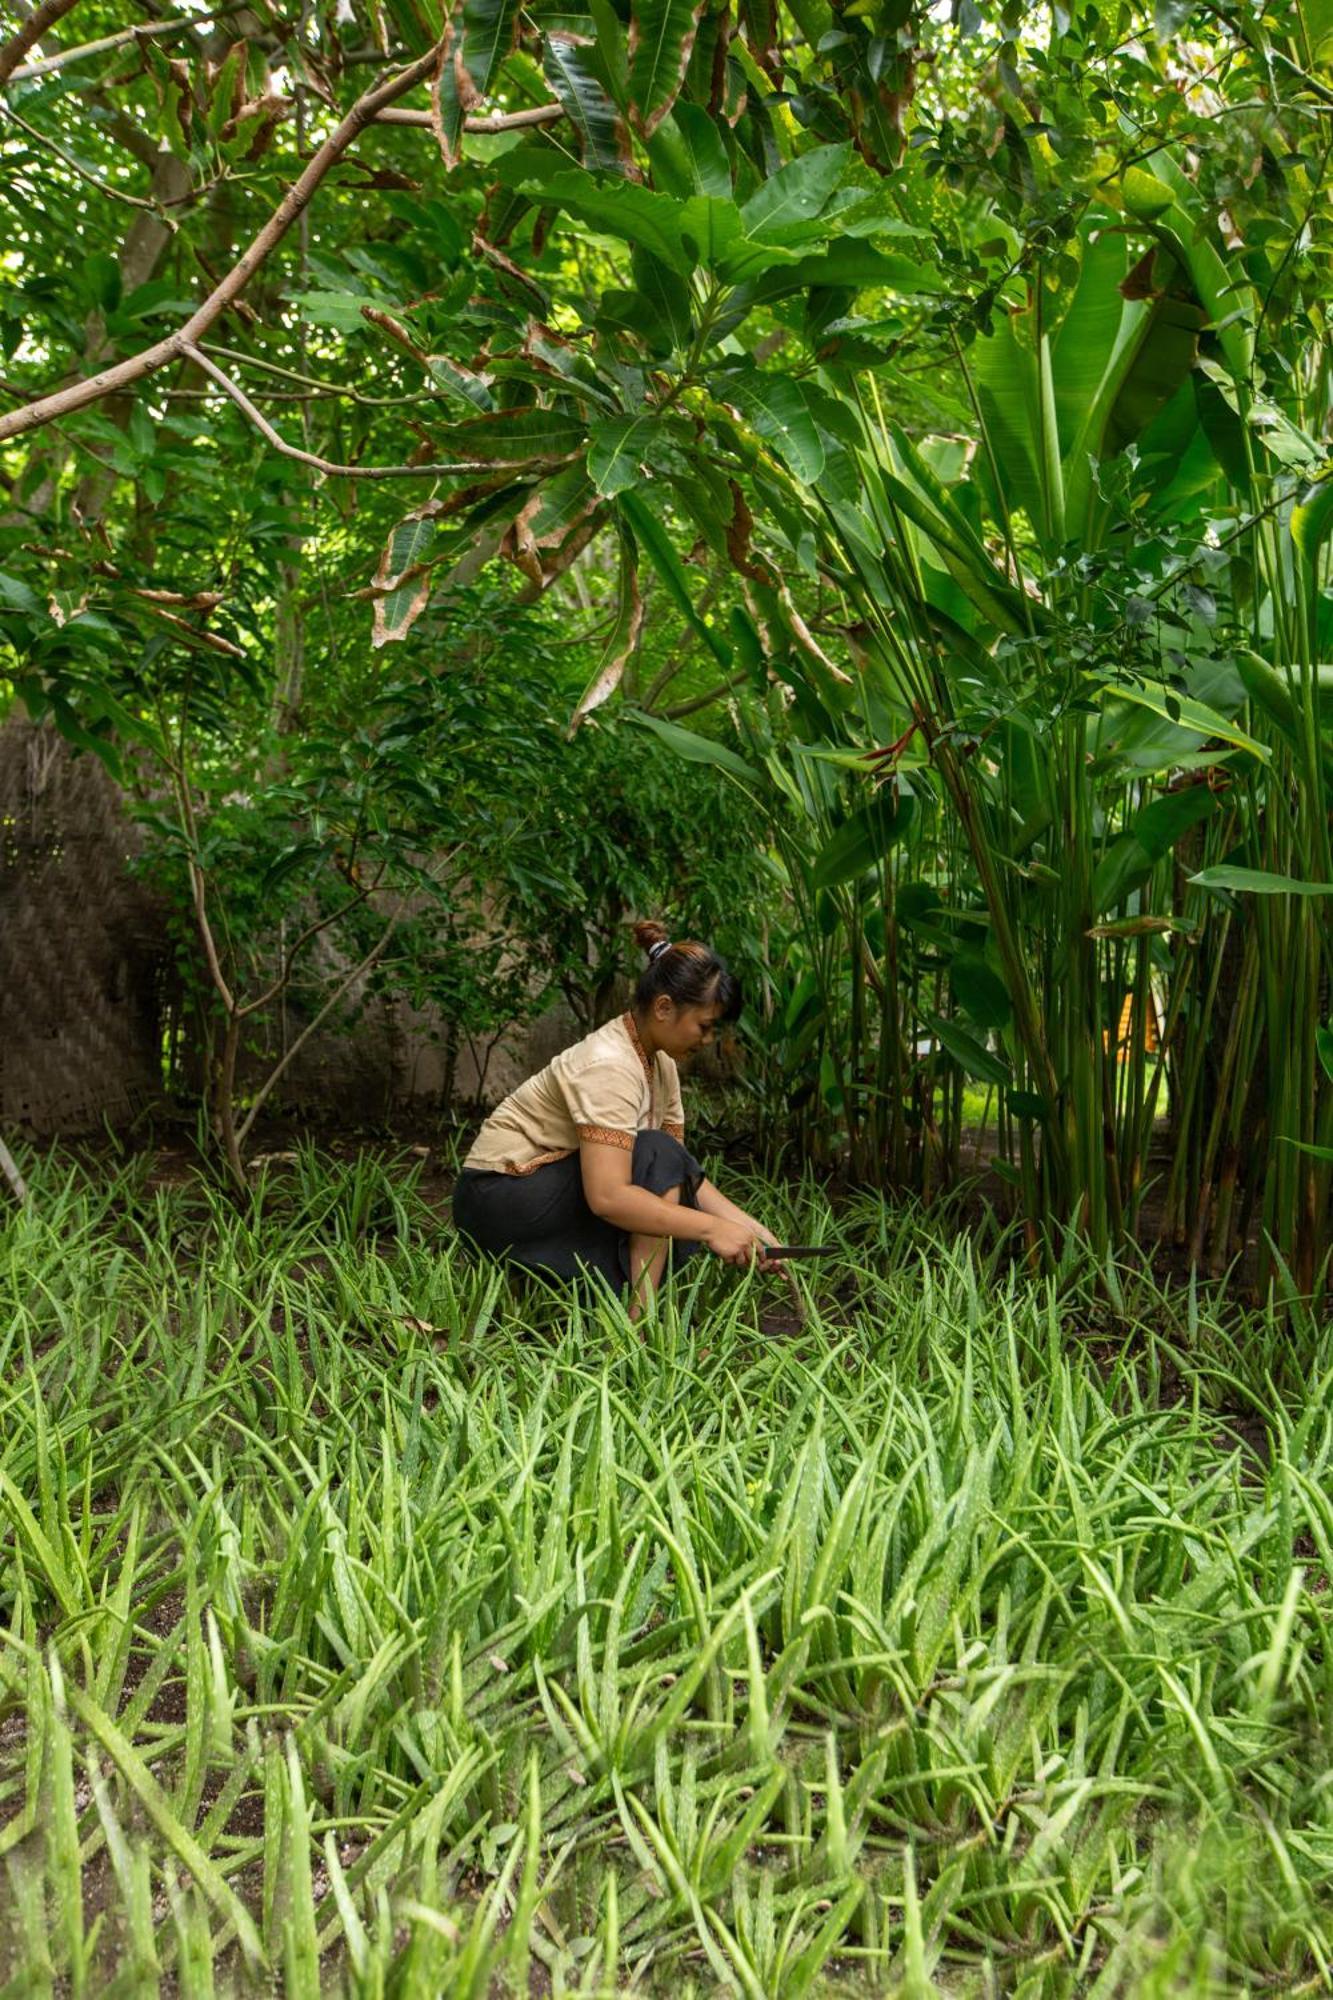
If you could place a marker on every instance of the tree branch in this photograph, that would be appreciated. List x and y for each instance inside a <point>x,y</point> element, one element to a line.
<point>684,708</point>
<point>43,17</point>
<point>107,381</point>
<point>68,160</point>
<point>10,1173</point>
<point>495,121</point>
<point>310,381</point>
<point>283,979</point>
<point>266,1089</point>
<point>279,443</point>
<point>138,33</point>
<point>199,886</point>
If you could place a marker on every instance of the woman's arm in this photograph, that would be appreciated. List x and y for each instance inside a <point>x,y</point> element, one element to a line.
<point>714,1202</point>
<point>612,1195</point>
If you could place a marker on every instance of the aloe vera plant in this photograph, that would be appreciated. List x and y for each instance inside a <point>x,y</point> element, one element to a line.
<point>366,1628</point>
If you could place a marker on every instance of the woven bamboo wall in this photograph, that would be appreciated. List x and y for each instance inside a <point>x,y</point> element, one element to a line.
<point>84,968</point>
<point>81,944</point>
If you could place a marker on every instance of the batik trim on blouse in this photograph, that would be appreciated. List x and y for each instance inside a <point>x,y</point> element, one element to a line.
<point>542,1160</point>
<point>605,1135</point>
<point>632,1030</point>
<point>670,1127</point>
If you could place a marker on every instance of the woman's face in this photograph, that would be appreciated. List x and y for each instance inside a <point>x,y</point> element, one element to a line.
<point>678,1031</point>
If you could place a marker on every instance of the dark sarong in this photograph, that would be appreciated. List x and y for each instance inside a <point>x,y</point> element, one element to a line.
<point>542,1221</point>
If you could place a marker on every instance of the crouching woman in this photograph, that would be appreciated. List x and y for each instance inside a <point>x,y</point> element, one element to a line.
<point>583,1169</point>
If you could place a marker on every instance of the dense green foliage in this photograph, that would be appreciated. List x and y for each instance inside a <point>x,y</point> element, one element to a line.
<point>362,1623</point>
<point>440,802</point>
<point>934,408</point>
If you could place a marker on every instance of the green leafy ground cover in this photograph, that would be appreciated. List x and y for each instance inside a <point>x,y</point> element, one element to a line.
<point>365,1628</point>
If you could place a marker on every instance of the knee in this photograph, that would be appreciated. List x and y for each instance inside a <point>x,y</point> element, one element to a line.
<point>660,1157</point>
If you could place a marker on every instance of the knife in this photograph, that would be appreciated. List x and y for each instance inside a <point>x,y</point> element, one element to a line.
<point>784,1250</point>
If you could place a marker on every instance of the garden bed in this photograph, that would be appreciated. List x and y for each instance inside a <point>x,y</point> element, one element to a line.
<point>370,1626</point>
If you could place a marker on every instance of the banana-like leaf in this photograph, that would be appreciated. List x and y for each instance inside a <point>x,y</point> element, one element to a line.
<point>573,74</point>
<point>968,1052</point>
<point>862,841</point>
<point>1312,519</point>
<point>1087,335</point>
<point>661,36</point>
<point>694,748</point>
<point>1187,713</point>
<point>1004,372</point>
<point>1257,882</point>
<point>1162,363</point>
<point>1130,860</point>
<point>1183,231</point>
<point>1007,609</point>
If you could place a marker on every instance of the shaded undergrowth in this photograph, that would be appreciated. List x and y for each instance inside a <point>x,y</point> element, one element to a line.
<point>366,1628</point>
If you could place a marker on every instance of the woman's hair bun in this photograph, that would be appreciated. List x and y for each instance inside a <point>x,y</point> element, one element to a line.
<point>690,974</point>
<point>648,932</point>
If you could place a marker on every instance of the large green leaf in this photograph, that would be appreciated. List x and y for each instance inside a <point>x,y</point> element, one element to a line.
<point>796,194</point>
<point>1007,609</point>
<point>517,437</point>
<point>1273,693</point>
<point>696,749</point>
<point>1257,882</point>
<point>852,262</point>
<point>481,37</point>
<point>967,1051</point>
<point>1186,230</point>
<point>657,545</point>
<point>1004,370</point>
<point>1186,713</point>
<point>661,35</point>
<point>1312,518</point>
<point>1153,354</point>
<point>665,295</point>
<point>1130,860</point>
<point>979,990</point>
<point>862,841</point>
<point>614,208</point>
<point>616,448</point>
<point>1163,357</point>
<point>487,38</point>
<point>775,407</point>
<point>572,72</point>
<point>688,154</point>
<point>1087,334</point>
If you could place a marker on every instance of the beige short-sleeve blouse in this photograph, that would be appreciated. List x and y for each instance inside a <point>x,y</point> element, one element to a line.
<point>602,1091</point>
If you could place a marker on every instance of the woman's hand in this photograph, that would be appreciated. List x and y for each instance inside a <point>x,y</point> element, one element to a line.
<point>735,1242</point>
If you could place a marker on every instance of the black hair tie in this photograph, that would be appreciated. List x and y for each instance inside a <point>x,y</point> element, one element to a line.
<point>655,950</point>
